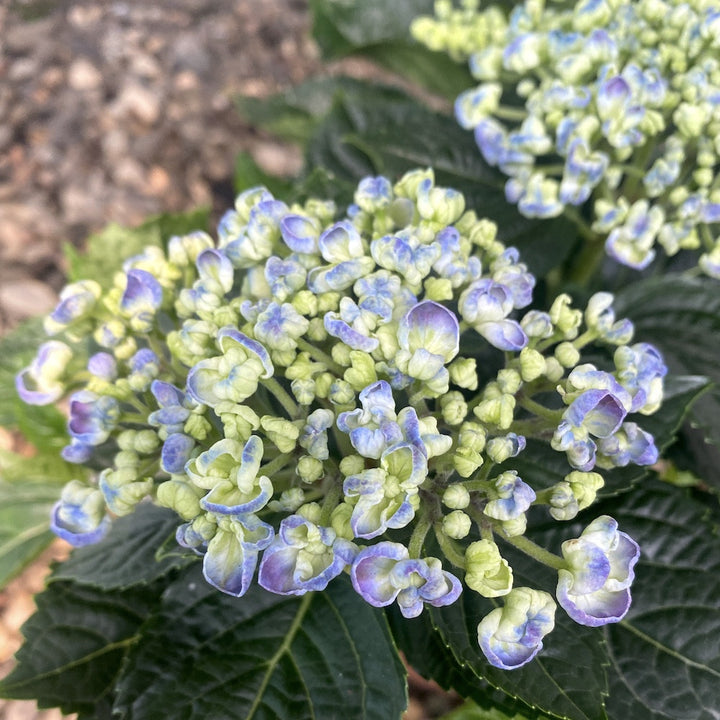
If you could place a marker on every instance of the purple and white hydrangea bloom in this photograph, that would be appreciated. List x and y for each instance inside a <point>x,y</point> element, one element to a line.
<point>79,516</point>
<point>92,417</point>
<point>231,557</point>
<point>303,557</point>
<point>510,497</point>
<point>384,573</point>
<point>314,434</point>
<point>41,382</point>
<point>485,305</point>
<point>141,299</point>
<point>385,497</point>
<point>229,471</point>
<point>640,369</point>
<point>511,636</point>
<point>595,588</point>
<point>77,301</point>
<point>234,375</point>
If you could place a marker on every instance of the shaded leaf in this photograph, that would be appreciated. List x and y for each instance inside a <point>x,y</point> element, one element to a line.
<point>75,645</point>
<point>681,316</point>
<point>209,655</point>
<point>127,555</point>
<point>372,29</point>
<point>24,524</point>
<point>249,174</point>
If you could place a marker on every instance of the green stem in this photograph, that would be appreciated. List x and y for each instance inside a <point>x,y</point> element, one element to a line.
<point>535,551</point>
<point>510,113</point>
<point>320,356</point>
<point>274,465</point>
<point>419,534</point>
<point>540,410</point>
<point>289,405</point>
<point>587,262</point>
<point>585,339</point>
<point>332,499</point>
<point>448,547</point>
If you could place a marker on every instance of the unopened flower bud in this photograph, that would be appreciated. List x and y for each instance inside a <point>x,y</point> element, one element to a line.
<point>564,318</point>
<point>197,427</point>
<point>362,373</point>
<point>463,373</point>
<point>352,465</point>
<point>532,364</point>
<point>310,511</point>
<point>309,469</point>
<point>584,486</point>
<point>438,289</point>
<point>567,354</point>
<point>281,432</point>
<point>340,521</point>
<point>466,461</point>
<point>181,496</point>
<point>341,354</point>
<point>456,497</point>
<point>509,381</point>
<point>498,411</point>
<point>456,524</point>
<point>316,330</point>
<point>563,504</point>
<point>486,571</point>
<point>553,369</point>
<point>341,393</point>
<point>453,407</point>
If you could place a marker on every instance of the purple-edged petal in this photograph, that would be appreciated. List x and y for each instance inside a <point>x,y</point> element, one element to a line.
<point>432,327</point>
<point>176,452</point>
<point>340,329</point>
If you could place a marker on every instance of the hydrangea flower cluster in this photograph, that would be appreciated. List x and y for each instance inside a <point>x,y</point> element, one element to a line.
<point>617,103</point>
<point>299,395</point>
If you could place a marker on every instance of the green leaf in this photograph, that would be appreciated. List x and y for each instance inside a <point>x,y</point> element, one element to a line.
<point>24,524</point>
<point>681,316</point>
<point>107,250</point>
<point>375,135</point>
<point>541,467</point>
<point>127,555</point>
<point>665,655</point>
<point>472,711</point>
<point>551,682</point>
<point>371,28</point>
<point>209,655</point>
<point>75,645</point>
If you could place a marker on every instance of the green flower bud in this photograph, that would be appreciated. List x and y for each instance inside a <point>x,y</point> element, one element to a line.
<point>509,381</point>
<point>584,486</point>
<point>181,496</point>
<point>306,303</point>
<point>340,521</point>
<point>126,349</point>
<point>310,511</point>
<point>122,489</point>
<point>466,461</point>
<point>567,354</point>
<point>341,393</point>
<point>486,571</point>
<point>499,449</point>
<point>352,465</point>
<point>126,459</point>
<point>498,411</point>
<point>281,432</point>
<point>303,368</point>
<point>323,383</point>
<point>198,427</point>
<point>456,497</point>
<point>438,289</point>
<point>463,373</point>
<point>704,177</point>
<point>456,524</point>
<point>564,318</point>
<point>454,408</point>
<point>309,469</point>
<point>562,501</point>
<point>532,364</point>
<point>515,526</point>
<point>341,354</point>
<point>327,302</point>
<point>316,331</point>
<point>362,373</point>
<point>126,439</point>
<point>484,234</point>
<point>553,369</point>
<point>289,500</point>
<point>690,119</point>
<point>146,442</point>
<point>239,421</point>
<point>409,183</point>
<point>472,436</point>
<point>303,390</point>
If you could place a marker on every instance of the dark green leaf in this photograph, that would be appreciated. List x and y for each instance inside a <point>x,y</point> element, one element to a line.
<point>262,656</point>
<point>127,555</point>
<point>382,33</point>
<point>75,645</point>
<point>682,317</point>
<point>24,524</point>
<point>665,654</point>
<point>107,250</point>
<point>472,711</point>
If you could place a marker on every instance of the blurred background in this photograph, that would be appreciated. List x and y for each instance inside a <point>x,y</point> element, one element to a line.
<point>112,112</point>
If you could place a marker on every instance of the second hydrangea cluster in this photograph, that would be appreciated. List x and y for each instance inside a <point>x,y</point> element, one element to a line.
<point>306,396</point>
<point>617,103</point>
